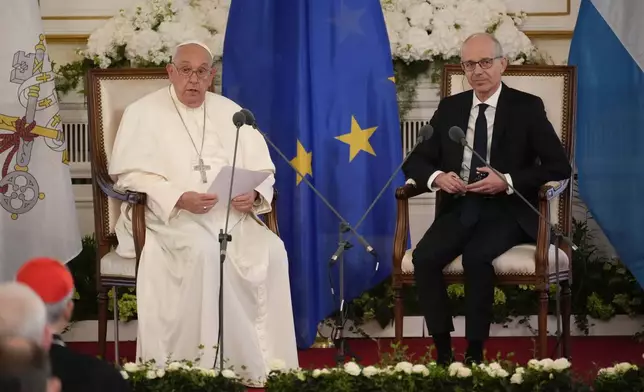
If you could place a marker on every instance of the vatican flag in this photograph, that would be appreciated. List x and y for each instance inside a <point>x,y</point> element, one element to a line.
<point>37,209</point>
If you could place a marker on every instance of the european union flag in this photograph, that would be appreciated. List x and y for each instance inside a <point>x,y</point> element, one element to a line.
<point>318,75</point>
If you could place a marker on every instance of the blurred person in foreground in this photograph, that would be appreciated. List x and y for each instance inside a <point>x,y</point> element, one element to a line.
<point>24,367</point>
<point>479,216</point>
<point>53,282</point>
<point>23,314</point>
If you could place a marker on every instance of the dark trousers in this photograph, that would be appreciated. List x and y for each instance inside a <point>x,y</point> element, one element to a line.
<point>495,232</point>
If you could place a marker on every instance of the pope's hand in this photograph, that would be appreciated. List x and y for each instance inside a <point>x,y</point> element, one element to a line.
<point>197,203</point>
<point>244,202</point>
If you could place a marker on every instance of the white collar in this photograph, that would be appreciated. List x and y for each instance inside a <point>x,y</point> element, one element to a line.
<point>492,101</point>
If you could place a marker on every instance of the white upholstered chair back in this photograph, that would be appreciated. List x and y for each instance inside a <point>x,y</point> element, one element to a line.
<point>555,85</point>
<point>111,91</point>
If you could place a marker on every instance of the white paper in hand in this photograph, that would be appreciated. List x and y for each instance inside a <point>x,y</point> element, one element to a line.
<point>244,182</point>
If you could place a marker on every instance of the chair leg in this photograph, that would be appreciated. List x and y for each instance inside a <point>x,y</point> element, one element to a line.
<point>566,304</point>
<point>102,322</point>
<point>398,314</point>
<point>116,325</point>
<point>542,345</point>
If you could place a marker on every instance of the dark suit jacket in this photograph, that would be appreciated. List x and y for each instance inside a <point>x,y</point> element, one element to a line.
<point>84,373</point>
<point>524,145</point>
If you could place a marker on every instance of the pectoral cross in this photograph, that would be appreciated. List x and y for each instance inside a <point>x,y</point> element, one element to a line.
<point>201,168</point>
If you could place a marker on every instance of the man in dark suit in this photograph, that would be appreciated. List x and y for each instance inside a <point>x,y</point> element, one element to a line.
<point>77,372</point>
<point>480,219</point>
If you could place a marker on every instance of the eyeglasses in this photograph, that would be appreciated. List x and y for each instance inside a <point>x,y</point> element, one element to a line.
<point>484,63</point>
<point>186,71</point>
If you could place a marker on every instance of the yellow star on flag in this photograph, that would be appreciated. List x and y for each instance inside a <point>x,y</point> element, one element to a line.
<point>358,139</point>
<point>302,162</point>
<point>393,79</point>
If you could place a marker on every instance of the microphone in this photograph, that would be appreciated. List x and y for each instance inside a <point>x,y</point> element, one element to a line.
<point>239,119</point>
<point>425,133</point>
<point>250,120</point>
<point>457,135</point>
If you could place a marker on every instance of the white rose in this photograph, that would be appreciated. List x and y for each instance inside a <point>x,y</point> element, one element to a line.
<point>464,372</point>
<point>453,368</point>
<point>131,367</point>
<point>370,371</point>
<point>151,375</point>
<point>519,370</point>
<point>352,368</point>
<point>420,369</point>
<point>124,374</point>
<point>227,373</point>
<point>606,371</point>
<point>533,364</point>
<point>174,366</point>
<point>276,365</point>
<point>546,364</point>
<point>517,378</point>
<point>561,364</point>
<point>160,373</point>
<point>316,373</point>
<point>404,367</point>
<point>495,366</point>
<point>325,371</point>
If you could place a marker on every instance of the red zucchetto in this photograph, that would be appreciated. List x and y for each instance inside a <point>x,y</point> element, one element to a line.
<point>49,278</point>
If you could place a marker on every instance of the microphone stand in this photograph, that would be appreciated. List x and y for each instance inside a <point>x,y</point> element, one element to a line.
<point>553,230</point>
<point>224,239</point>
<point>339,340</point>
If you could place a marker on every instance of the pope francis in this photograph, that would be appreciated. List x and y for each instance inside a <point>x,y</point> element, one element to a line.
<point>170,145</point>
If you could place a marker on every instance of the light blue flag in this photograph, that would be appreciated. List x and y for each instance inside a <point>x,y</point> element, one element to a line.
<point>608,50</point>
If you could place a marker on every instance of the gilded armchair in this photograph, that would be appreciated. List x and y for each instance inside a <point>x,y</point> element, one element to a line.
<point>110,91</point>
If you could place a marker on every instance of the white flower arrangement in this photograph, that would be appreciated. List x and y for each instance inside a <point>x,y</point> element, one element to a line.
<point>430,29</point>
<point>417,29</point>
<point>147,33</point>
<point>150,376</point>
<point>545,374</point>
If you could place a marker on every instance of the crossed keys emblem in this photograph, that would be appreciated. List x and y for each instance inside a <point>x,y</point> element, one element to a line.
<point>19,189</point>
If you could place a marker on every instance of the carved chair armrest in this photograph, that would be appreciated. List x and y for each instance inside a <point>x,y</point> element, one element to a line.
<point>408,191</point>
<point>137,201</point>
<point>547,193</point>
<point>401,233</point>
<point>553,189</point>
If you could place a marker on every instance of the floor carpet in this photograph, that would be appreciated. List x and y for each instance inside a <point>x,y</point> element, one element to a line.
<point>587,353</point>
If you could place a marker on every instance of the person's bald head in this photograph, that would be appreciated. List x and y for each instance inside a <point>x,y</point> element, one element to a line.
<point>483,62</point>
<point>23,313</point>
<point>191,72</point>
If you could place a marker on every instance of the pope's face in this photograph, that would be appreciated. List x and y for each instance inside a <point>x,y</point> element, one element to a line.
<point>191,74</point>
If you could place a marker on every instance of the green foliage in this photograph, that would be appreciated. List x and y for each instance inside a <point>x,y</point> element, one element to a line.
<point>83,268</point>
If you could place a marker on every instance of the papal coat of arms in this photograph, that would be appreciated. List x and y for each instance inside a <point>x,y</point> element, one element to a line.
<point>19,189</point>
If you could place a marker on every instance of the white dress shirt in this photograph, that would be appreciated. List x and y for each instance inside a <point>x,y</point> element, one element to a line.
<point>490,112</point>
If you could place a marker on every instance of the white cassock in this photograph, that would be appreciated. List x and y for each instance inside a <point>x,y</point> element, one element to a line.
<point>178,281</point>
